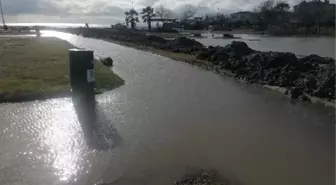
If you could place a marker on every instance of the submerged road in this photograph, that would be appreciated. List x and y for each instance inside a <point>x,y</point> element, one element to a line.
<point>168,118</point>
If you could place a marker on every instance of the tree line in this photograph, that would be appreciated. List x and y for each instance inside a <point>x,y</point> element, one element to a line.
<point>306,14</point>
<point>147,14</point>
<point>267,13</point>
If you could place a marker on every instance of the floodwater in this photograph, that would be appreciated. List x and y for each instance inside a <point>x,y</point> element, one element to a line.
<point>168,118</point>
<point>323,46</point>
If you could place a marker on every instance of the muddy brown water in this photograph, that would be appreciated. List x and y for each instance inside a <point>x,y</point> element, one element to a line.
<point>169,117</point>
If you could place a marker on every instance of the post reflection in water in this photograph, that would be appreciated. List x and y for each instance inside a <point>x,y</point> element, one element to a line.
<point>98,130</point>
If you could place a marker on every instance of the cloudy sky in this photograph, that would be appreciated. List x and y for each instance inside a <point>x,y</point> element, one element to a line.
<point>108,11</point>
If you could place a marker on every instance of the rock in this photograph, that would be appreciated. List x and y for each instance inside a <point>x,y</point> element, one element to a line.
<point>183,42</point>
<point>315,59</point>
<point>236,50</point>
<point>239,49</point>
<point>287,92</point>
<point>279,59</point>
<point>268,60</point>
<point>228,36</point>
<point>202,177</point>
<point>271,68</point>
<point>295,92</point>
<point>310,83</point>
<point>107,61</point>
<point>203,55</point>
<point>197,35</point>
<point>326,87</point>
<point>206,53</point>
<point>305,98</point>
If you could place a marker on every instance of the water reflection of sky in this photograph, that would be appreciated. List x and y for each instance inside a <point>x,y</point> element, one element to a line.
<point>65,36</point>
<point>45,141</point>
<point>63,137</point>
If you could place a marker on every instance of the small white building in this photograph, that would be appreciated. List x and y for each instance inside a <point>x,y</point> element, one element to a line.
<point>245,16</point>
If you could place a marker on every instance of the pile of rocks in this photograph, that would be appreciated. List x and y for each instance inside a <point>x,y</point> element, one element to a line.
<point>311,75</point>
<point>203,177</point>
<point>183,45</point>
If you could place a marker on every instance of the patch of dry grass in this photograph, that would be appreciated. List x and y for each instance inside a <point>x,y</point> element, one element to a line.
<point>39,67</point>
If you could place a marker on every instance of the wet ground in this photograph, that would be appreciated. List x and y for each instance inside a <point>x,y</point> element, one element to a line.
<point>168,118</point>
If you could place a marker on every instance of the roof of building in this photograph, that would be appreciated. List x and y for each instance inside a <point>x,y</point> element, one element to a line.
<point>160,19</point>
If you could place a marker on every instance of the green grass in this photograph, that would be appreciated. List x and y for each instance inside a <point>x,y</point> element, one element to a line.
<point>38,68</point>
<point>105,78</point>
<point>187,58</point>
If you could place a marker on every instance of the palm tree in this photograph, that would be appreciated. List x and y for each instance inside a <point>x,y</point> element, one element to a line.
<point>148,13</point>
<point>131,18</point>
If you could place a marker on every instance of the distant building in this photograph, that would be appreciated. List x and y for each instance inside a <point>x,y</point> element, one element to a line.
<point>193,20</point>
<point>119,26</point>
<point>168,24</point>
<point>315,6</point>
<point>157,19</point>
<point>316,11</point>
<point>244,17</point>
<point>198,18</point>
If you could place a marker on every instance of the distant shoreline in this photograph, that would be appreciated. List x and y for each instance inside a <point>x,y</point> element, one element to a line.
<point>291,33</point>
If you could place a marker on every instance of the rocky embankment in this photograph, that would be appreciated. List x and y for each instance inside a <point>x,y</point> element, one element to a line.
<point>311,75</point>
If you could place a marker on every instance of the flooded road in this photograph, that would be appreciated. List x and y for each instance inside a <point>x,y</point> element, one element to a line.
<point>167,118</point>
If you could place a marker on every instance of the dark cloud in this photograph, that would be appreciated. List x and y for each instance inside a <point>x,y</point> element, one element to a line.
<point>114,9</point>
<point>101,9</point>
<point>15,7</point>
<point>147,2</point>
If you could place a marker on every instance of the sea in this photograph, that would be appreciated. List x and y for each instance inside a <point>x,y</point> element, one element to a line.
<point>60,25</point>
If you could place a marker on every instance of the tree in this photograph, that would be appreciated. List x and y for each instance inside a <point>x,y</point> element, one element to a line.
<point>188,12</point>
<point>163,13</point>
<point>131,18</point>
<point>314,14</point>
<point>265,12</point>
<point>221,20</point>
<point>271,12</point>
<point>147,14</point>
<point>282,7</point>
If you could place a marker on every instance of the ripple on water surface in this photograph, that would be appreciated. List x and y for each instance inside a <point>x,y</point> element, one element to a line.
<point>47,137</point>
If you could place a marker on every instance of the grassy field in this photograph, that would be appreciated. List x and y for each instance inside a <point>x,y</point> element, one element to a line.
<point>38,68</point>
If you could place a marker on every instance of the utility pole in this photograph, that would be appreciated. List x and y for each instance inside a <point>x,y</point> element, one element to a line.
<point>2,15</point>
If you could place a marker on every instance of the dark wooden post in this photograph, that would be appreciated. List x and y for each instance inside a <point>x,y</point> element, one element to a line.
<point>82,76</point>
